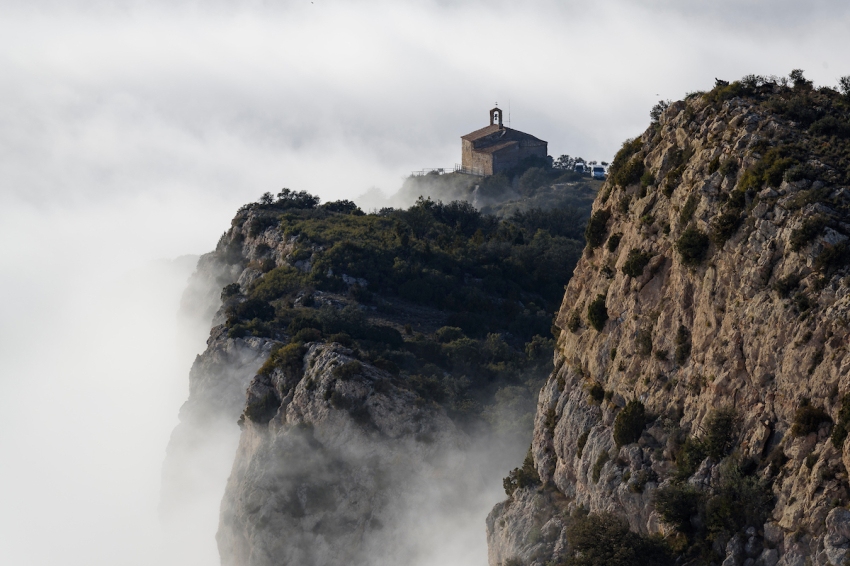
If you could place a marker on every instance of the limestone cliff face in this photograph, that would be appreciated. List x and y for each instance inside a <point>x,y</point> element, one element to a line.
<point>201,446</point>
<point>757,323</point>
<point>338,465</point>
<point>328,459</point>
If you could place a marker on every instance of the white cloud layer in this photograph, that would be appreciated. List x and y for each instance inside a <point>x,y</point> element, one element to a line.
<point>131,131</point>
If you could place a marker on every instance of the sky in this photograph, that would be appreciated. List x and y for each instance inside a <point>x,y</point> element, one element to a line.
<point>130,132</point>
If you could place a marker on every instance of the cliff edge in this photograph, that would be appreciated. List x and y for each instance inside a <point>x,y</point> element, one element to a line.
<point>700,390</point>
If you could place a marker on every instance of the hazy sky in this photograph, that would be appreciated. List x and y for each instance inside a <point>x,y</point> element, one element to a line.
<point>131,131</point>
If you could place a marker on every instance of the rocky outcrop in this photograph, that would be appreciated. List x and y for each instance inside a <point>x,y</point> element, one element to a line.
<point>751,320</point>
<point>324,458</point>
<point>340,468</point>
<point>201,447</point>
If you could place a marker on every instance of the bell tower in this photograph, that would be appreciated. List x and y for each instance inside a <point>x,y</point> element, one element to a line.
<point>496,117</point>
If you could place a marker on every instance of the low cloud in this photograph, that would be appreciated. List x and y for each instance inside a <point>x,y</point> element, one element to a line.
<point>132,131</point>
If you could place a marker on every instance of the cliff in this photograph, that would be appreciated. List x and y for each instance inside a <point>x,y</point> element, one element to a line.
<point>701,381</point>
<point>368,377</point>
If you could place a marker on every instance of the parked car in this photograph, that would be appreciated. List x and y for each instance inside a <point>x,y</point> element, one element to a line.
<point>597,172</point>
<point>579,167</point>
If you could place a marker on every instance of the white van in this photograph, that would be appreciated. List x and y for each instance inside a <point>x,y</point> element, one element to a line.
<point>597,172</point>
<point>579,167</point>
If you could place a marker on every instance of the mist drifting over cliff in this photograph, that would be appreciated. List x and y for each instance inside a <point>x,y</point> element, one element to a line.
<point>131,132</point>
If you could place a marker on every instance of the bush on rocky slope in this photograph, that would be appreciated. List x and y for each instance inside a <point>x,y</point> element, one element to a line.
<point>478,290</point>
<point>605,540</point>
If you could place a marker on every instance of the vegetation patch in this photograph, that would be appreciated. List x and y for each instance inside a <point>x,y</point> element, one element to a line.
<point>689,208</point>
<point>786,285</point>
<point>605,540</point>
<point>595,393</point>
<point>619,172</point>
<point>808,418</point>
<point>724,226</point>
<point>289,358</point>
<point>833,258</point>
<point>635,262</point>
<point>692,246</point>
<point>347,370</point>
<point>705,516</point>
<point>597,227</point>
<point>525,476</point>
<point>808,231</point>
<point>597,313</point>
<point>629,423</point>
<point>573,321</point>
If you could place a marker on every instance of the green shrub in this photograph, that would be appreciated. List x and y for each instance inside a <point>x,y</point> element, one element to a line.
<point>429,387</point>
<point>347,370</point>
<point>689,208</point>
<point>736,502</point>
<point>647,179</point>
<point>596,471</point>
<point>692,246</point>
<point>724,226</point>
<point>808,231</point>
<point>635,262</point>
<point>624,203</point>
<point>343,207</point>
<point>279,282</point>
<point>770,169</point>
<point>605,540</point>
<point>677,504</point>
<point>807,419</point>
<point>582,440</point>
<point>719,434</point>
<point>387,365</point>
<point>449,334</point>
<point>596,229</point>
<point>289,358</point>
<point>230,290</point>
<point>341,338</point>
<point>251,309</point>
<point>518,478</point>
<point>597,313</point>
<point>728,167</point>
<point>614,241</point>
<point>596,393</point>
<point>262,410</point>
<point>833,258</point>
<point>689,457</point>
<point>629,423</point>
<point>623,157</point>
<point>786,285</point>
<point>574,321</point>
<point>307,335</point>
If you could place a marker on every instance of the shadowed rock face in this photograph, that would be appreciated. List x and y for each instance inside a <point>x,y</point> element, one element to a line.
<point>756,320</point>
<point>343,470</point>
